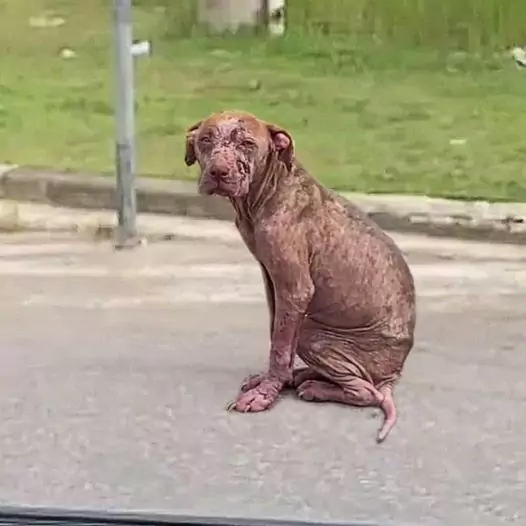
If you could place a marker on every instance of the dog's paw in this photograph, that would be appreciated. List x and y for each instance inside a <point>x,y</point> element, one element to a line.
<point>311,391</point>
<point>257,399</point>
<point>251,382</point>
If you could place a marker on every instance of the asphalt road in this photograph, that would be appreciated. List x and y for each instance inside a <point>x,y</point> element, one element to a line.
<point>115,369</point>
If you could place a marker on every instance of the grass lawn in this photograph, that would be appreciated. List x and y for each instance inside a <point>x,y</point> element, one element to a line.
<point>365,117</point>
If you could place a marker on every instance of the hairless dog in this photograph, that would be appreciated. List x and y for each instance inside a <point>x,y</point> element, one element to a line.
<point>339,293</point>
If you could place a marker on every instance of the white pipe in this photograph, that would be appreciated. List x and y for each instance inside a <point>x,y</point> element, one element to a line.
<point>276,17</point>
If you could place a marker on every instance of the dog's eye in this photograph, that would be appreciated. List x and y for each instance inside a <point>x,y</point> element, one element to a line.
<point>205,140</point>
<point>248,144</point>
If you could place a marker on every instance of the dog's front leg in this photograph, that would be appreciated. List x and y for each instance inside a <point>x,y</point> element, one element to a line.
<point>293,289</point>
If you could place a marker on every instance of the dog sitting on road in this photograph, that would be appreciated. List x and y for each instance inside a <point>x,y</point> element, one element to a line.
<point>340,294</point>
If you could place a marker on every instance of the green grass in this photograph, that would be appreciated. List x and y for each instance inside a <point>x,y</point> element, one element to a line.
<point>428,104</point>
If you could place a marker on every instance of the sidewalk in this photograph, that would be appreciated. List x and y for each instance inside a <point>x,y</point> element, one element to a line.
<point>502,222</point>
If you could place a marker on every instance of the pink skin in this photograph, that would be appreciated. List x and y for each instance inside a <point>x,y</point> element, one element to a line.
<point>303,237</point>
<point>364,395</point>
<point>258,393</point>
<point>228,149</point>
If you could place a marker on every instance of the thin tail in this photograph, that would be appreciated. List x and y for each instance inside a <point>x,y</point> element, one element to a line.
<point>388,408</point>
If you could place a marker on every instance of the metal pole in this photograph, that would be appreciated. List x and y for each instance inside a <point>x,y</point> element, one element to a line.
<point>125,125</point>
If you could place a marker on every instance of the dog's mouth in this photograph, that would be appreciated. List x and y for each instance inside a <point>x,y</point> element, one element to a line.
<point>220,191</point>
<point>207,189</point>
<point>235,188</point>
<point>215,188</point>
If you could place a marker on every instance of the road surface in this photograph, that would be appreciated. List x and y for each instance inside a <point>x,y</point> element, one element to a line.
<point>116,368</point>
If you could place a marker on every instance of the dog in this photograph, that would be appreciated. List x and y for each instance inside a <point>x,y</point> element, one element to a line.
<point>339,292</point>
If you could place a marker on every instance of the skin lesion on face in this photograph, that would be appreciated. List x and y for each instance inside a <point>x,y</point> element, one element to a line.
<point>204,142</point>
<point>230,148</point>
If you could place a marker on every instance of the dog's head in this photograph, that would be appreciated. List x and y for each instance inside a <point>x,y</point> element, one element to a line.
<point>230,146</point>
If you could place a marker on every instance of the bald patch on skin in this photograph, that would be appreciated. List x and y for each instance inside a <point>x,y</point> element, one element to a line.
<point>230,146</point>
<point>339,292</point>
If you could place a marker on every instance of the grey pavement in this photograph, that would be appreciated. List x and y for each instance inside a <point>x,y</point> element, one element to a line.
<point>115,369</point>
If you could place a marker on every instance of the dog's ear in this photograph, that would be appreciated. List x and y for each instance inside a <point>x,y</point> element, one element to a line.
<point>189,156</point>
<point>282,143</point>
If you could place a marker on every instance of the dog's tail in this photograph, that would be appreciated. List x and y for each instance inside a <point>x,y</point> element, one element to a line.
<point>388,408</point>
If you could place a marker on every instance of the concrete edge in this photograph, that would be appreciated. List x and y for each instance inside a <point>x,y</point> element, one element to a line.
<point>18,216</point>
<point>478,220</point>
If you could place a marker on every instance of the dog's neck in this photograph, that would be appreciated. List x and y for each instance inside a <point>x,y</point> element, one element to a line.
<point>262,189</point>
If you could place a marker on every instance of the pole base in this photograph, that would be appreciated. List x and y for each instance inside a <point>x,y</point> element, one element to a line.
<point>123,241</point>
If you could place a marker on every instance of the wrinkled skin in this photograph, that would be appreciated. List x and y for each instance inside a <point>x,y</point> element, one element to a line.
<point>339,292</point>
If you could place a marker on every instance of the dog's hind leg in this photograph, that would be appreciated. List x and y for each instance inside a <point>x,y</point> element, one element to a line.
<point>356,392</point>
<point>342,378</point>
<point>304,374</point>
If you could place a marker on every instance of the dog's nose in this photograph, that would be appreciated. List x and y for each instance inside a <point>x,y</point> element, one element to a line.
<point>219,172</point>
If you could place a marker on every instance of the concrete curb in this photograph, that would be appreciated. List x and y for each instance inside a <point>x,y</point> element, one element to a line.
<point>100,224</point>
<point>35,217</point>
<point>499,222</point>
